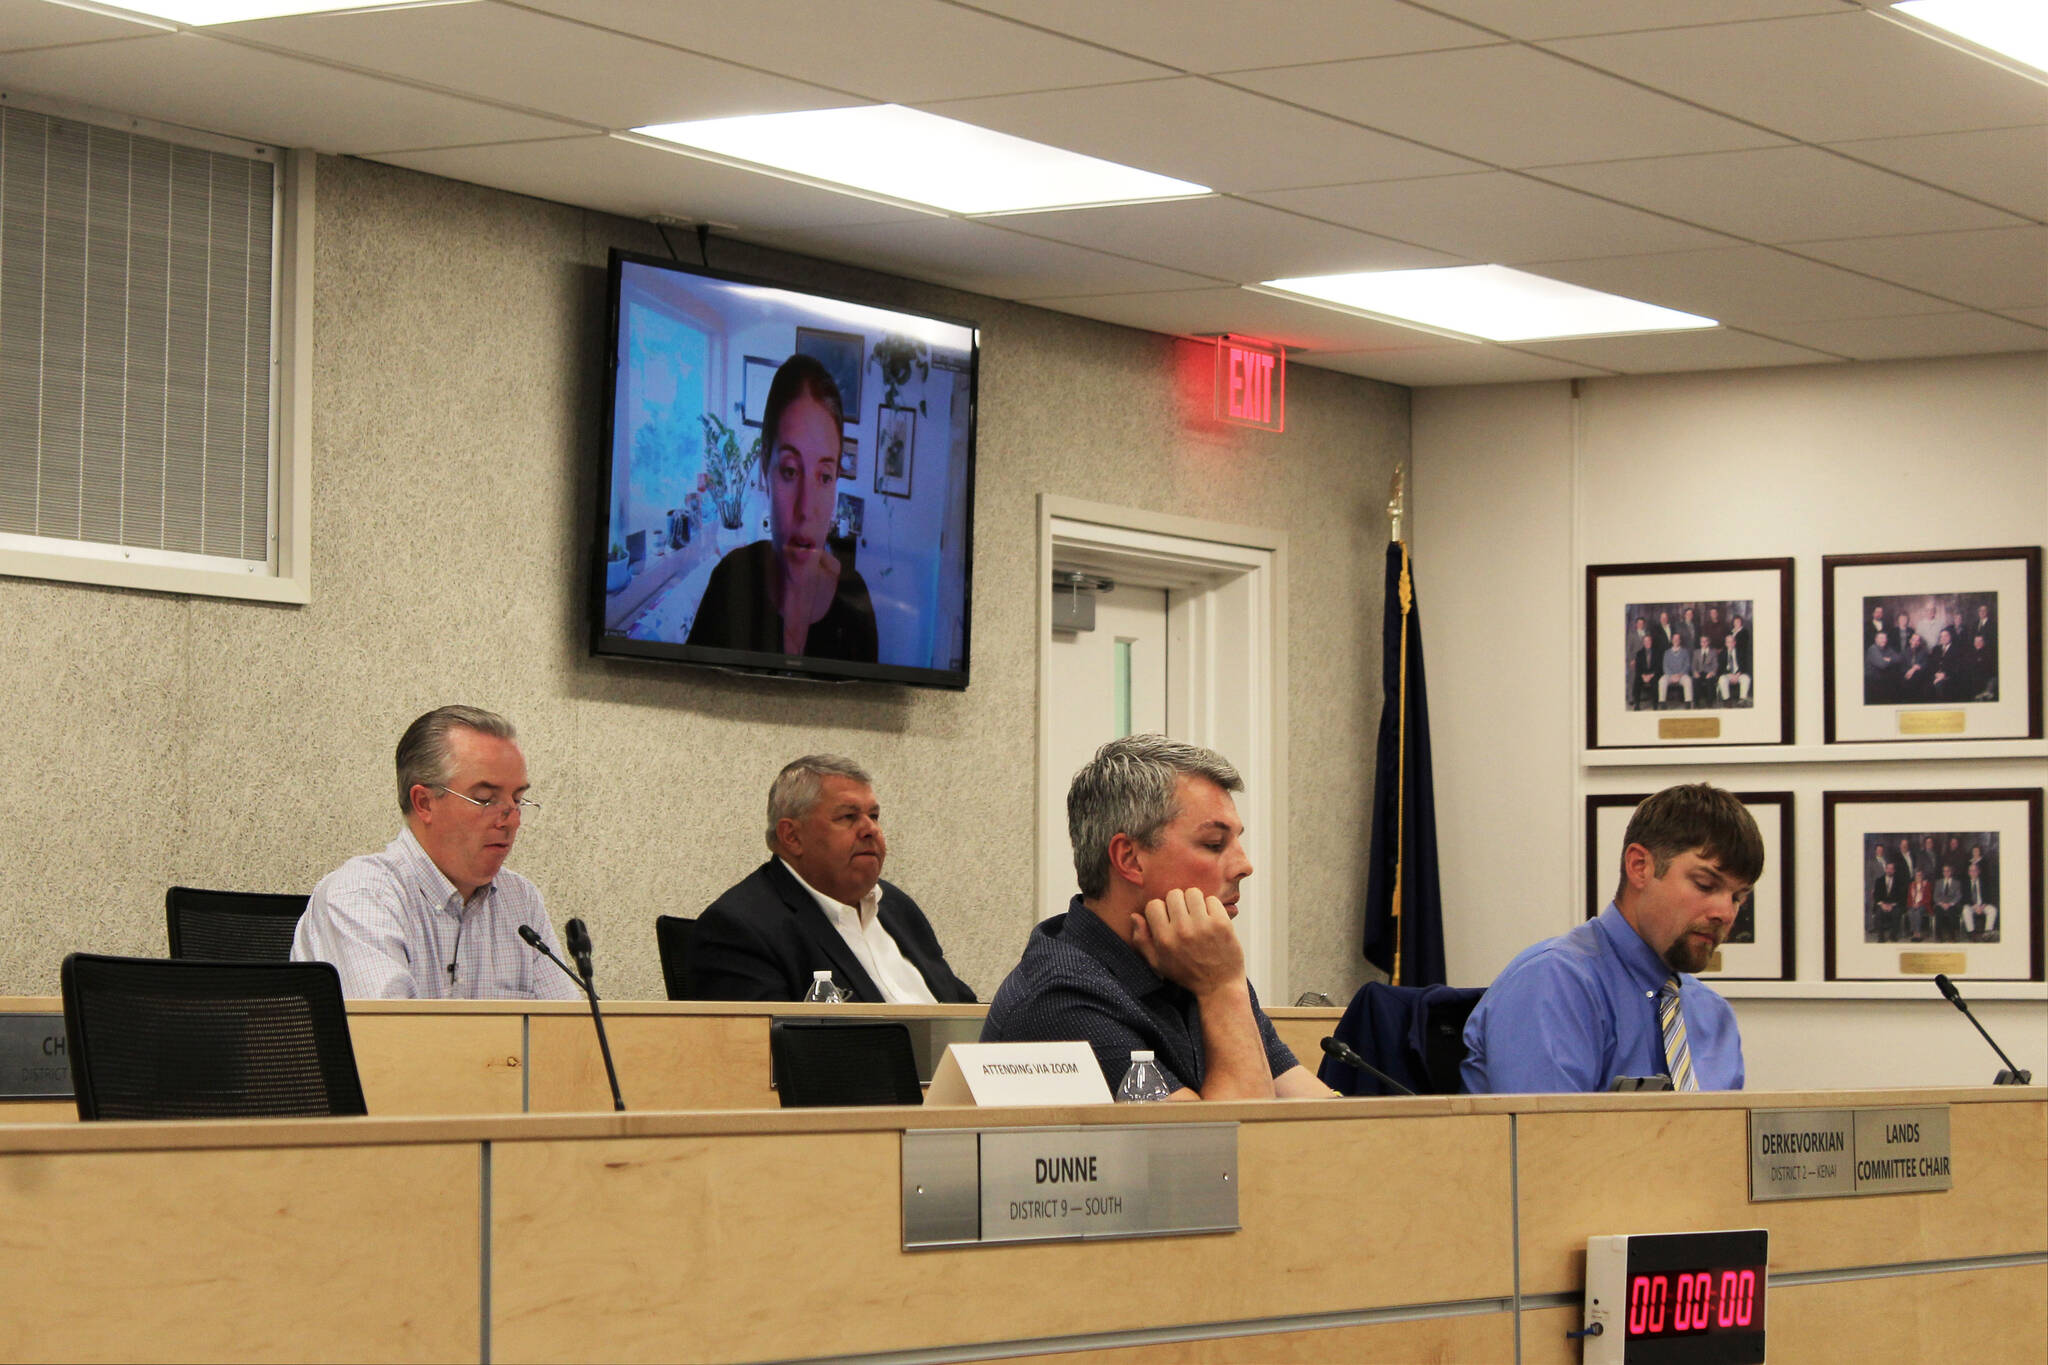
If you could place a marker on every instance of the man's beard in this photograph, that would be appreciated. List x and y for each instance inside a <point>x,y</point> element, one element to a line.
<point>1684,956</point>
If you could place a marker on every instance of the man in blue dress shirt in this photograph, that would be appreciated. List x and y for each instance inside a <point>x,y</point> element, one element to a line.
<point>1617,996</point>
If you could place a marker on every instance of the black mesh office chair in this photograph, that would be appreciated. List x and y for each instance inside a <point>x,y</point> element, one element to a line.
<point>672,935</point>
<point>157,1038</point>
<point>832,1062</point>
<point>231,926</point>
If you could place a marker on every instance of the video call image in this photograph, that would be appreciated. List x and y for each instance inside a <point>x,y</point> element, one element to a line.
<point>1940,647</point>
<point>1931,887</point>
<point>1688,656</point>
<point>789,474</point>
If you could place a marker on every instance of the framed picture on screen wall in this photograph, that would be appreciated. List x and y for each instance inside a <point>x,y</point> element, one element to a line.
<point>1689,654</point>
<point>1760,944</point>
<point>1943,645</point>
<point>1920,882</point>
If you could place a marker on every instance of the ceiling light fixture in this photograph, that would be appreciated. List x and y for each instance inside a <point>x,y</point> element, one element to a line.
<point>204,13</point>
<point>2012,28</point>
<point>915,158</point>
<point>1485,302</point>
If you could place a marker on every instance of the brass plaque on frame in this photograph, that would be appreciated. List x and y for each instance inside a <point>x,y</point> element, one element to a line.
<point>1927,964</point>
<point>1930,722</point>
<point>1688,727</point>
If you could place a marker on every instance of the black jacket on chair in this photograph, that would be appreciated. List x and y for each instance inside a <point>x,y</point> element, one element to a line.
<point>764,938</point>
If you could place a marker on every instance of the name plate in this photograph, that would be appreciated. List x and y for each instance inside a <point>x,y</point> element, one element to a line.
<point>963,1187</point>
<point>1930,722</point>
<point>987,1074</point>
<point>33,1061</point>
<point>1832,1153</point>
<point>1688,727</point>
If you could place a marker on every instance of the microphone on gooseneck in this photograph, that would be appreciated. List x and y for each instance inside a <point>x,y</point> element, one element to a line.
<point>2012,1075</point>
<point>579,944</point>
<point>1346,1055</point>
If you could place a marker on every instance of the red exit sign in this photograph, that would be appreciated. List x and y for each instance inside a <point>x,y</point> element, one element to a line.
<point>1251,383</point>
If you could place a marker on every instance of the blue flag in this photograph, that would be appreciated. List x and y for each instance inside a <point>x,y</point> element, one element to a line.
<point>1404,911</point>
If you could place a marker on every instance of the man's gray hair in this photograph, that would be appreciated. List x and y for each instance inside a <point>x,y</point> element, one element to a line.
<point>801,782</point>
<point>1128,788</point>
<point>424,757</point>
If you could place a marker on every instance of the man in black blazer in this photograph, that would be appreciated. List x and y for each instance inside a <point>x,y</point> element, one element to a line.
<point>820,904</point>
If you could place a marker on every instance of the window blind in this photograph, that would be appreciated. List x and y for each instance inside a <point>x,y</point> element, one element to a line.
<point>136,329</point>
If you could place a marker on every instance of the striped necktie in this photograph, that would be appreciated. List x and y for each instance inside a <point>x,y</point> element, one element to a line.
<point>1677,1055</point>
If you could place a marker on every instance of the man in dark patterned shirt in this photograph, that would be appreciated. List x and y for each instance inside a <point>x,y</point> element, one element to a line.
<point>1145,956</point>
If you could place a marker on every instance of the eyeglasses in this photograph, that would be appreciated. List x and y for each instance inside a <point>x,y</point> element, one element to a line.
<point>516,803</point>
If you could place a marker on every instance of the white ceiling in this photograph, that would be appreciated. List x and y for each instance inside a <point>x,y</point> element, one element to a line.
<point>1830,184</point>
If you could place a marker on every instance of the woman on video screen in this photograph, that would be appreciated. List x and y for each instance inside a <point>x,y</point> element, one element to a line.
<point>789,594</point>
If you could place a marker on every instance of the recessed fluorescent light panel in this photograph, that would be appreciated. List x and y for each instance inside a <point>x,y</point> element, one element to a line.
<point>2014,28</point>
<point>919,158</point>
<point>200,13</point>
<point>1488,301</point>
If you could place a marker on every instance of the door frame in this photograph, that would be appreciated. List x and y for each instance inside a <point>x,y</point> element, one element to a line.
<point>1226,670</point>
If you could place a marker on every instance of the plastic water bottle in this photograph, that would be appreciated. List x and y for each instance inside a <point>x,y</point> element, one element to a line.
<point>823,992</point>
<point>1143,1083</point>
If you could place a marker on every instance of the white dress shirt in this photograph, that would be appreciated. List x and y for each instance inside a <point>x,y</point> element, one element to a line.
<point>899,980</point>
<point>391,924</point>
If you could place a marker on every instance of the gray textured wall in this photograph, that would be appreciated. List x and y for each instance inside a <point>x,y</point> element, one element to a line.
<point>153,740</point>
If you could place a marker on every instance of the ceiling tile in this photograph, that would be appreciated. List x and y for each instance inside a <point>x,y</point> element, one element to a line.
<point>1508,106</point>
<point>549,64</point>
<point>979,258</point>
<point>37,23</point>
<point>1667,352</point>
<point>1226,239</point>
<point>2003,166</point>
<point>1206,312</point>
<point>2000,270</point>
<point>2037,316</point>
<point>1750,287</point>
<point>1433,366</point>
<point>899,51</point>
<point>1780,194</point>
<point>1214,135</point>
<point>224,88</point>
<point>1925,334</point>
<point>1564,18</point>
<point>1825,78</point>
<point>1227,35</point>
<point>1498,216</point>
<point>637,181</point>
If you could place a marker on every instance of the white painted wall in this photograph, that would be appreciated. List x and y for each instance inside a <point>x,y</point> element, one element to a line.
<point>1519,487</point>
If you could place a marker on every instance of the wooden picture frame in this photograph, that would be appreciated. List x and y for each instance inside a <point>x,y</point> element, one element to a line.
<point>1876,692</point>
<point>1633,614</point>
<point>756,374</point>
<point>1762,945</point>
<point>1986,928</point>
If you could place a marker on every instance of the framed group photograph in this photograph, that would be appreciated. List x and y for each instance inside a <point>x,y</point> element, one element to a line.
<point>1942,645</point>
<point>1688,654</point>
<point>1759,946</point>
<point>895,446</point>
<point>1920,882</point>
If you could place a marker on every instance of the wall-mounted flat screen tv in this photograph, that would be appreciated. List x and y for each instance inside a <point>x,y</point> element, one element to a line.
<point>788,480</point>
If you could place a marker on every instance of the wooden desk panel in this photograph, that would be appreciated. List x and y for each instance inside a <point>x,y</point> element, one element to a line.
<point>440,1064</point>
<point>307,1253</point>
<point>1667,1169</point>
<point>664,1062</point>
<point>713,1245</point>
<point>1477,1337</point>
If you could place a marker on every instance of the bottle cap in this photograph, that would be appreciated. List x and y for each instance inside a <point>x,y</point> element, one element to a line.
<point>1137,1056</point>
<point>821,976</point>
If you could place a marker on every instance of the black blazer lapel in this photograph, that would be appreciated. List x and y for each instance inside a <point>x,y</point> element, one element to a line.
<point>824,939</point>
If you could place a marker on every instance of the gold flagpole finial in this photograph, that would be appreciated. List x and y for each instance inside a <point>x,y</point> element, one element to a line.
<point>1397,497</point>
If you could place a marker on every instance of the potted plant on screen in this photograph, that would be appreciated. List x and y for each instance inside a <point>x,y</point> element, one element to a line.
<point>727,469</point>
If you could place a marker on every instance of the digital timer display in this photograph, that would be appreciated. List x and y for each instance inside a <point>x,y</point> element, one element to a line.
<point>1700,1301</point>
<point>1682,1298</point>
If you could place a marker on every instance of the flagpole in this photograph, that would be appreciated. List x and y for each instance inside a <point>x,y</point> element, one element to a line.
<point>1394,509</point>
